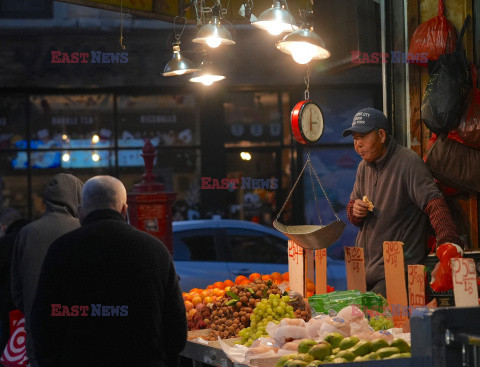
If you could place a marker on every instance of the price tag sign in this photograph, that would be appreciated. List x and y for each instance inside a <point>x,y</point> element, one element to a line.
<point>464,282</point>
<point>296,268</point>
<point>395,281</point>
<point>355,264</point>
<point>321,271</point>
<point>416,285</point>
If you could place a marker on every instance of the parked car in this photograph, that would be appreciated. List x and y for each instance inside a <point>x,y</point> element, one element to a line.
<point>207,251</point>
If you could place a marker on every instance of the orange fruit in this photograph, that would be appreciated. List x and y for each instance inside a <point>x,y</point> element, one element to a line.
<point>205,293</point>
<point>228,283</point>
<point>310,287</point>
<point>254,276</point>
<point>218,292</point>
<point>310,294</point>
<point>208,299</point>
<point>192,312</point>
<point>227,289</point>
<point>188,306</point>
<point>219,285</point>
<point>286,276</point>
<point>277,277</point>
<point>239,279</point>
<point>196,300</point>
<point>196,290</point>
<point>266,277</point>
<point>210,286</point>
<point>245,281</point>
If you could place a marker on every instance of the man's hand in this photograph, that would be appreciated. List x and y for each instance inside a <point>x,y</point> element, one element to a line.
<point>360,208</point>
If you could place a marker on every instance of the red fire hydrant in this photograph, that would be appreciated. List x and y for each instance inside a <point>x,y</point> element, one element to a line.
<point>149,206</point>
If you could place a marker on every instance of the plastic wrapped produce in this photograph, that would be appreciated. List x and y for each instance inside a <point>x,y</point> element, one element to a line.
<point>287,329</point>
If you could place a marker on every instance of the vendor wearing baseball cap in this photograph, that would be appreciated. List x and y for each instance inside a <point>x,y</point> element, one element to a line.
<point>393,197</point>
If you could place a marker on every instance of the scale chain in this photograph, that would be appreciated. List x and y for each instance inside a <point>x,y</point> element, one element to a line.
<point>323,190</point>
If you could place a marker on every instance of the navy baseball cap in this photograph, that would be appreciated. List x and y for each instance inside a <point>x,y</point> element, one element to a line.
<point>366,120</point>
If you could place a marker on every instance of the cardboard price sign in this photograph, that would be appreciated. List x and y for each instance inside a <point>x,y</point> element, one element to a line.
<point>464,282</point>
<point>416,285</point>
<point>395,281</point>
<point>355,264</point>
<point>296,268</point>
<point>321,271</point>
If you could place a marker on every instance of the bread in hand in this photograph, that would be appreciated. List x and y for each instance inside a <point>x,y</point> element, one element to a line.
<point>370,204</point>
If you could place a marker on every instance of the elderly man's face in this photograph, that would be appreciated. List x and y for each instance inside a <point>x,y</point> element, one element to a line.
<point>370,146</point>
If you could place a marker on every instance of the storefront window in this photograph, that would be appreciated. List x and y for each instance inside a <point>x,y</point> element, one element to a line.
<point>72,122</point>
<point>168,120</point>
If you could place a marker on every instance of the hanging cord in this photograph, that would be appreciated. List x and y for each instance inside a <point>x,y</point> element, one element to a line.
<point>292,190</point>
<point>121,26</point>
<point>307,84</point>
<point>323,190</point>
<point>175,24</point>
<point>313,186</point>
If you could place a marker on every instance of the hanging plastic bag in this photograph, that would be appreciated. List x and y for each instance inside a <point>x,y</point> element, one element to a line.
<point>468,131</point>
<point>447,88</point>
<point>15,354</point>
<point>442,279</point>
<point>432,38</point>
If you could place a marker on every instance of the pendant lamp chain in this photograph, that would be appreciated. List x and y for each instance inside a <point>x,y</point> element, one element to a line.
<point>307,84</point>
<point>175,30</point>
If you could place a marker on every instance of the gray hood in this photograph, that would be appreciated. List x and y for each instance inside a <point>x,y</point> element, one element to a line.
<point>63,194</point>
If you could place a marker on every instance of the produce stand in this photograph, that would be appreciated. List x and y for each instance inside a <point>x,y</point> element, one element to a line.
<point>441,337</point>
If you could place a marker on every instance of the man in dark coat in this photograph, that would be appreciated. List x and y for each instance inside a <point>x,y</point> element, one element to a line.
<point>62,198</point>
<point>11,222</point>
<point>108,294</point>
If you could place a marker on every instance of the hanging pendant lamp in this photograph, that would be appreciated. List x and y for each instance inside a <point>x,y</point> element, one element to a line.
<point>214,34</point>
<point>206,74</point>
<point>276,20</point>
<point>178,65</point>
<point>304,45</point>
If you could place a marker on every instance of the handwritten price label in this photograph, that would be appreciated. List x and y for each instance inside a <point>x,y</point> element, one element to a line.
<point>392,252</point>
<point>296,267</point>
<point>464,282</point>
<point>416,285</point>
<point>321,271</point>
<point>395,279</point>
<point>355,264</point>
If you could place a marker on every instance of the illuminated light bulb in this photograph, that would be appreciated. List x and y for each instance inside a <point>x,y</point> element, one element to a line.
<point>95,157</point>
<point>245,156</point>
<point>64,136</point>
<point>179,72</point>
<point>207,80</point>
<point>275,28</point>
<point>213,41</point>
<point>95,139</point>
<point>65,157</point>
<point>302,52</point>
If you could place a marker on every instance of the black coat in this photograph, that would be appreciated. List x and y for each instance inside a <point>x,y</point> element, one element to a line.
<point>107,263</point>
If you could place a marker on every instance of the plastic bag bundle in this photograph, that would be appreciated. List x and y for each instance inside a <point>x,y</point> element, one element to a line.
<point>287,329</point>
<point>469,128</point>
<point>433,37</point>
<point>442,278</point>
<point>314,325</point>
<point>334,325</point>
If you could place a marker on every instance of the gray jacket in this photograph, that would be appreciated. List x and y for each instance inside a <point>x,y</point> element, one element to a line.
<point>400,186</point>
<point>62,198</point>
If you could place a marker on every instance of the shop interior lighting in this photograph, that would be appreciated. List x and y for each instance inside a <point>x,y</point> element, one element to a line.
<point>304,45</point>
<point>66,157</point>
<point>95,157</point>
<point>245,156</point>
<point>206,74</point>
<point>65,137</point>
<point>214,33</point>
<point>276,20</point>
<point>95,139</point>
<point>178,65</point>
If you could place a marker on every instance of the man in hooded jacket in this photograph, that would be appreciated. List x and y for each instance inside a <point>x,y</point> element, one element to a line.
<point>62,198</point>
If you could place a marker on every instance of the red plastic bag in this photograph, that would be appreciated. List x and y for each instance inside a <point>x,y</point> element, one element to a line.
<point>442,278</point>
<point>468,132</point>
<point>432,38</point>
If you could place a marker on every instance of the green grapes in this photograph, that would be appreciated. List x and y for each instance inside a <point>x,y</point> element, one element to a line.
<point>272,309</point>
<point>381,323</point>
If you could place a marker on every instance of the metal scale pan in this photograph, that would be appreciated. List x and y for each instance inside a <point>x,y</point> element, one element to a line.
<point>312,237</point>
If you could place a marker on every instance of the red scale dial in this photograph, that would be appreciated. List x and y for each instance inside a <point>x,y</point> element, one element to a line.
<point>307,122</point>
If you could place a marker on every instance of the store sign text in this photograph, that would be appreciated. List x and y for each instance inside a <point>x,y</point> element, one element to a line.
<point>94,57</point>
<point>246,183</point>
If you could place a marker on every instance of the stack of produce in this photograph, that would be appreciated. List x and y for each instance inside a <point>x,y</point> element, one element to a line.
<point>337,349</point>
<point>233,312</point>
